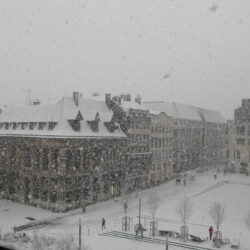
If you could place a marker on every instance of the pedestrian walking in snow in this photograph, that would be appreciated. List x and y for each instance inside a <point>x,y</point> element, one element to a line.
<point>83,209</point>
<point>184,182</point>
<point>103,223</point>
<point>211,231</point>
<point>215,177</point>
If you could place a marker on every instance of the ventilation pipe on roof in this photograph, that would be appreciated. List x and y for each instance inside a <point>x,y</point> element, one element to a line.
<point>76,96</point>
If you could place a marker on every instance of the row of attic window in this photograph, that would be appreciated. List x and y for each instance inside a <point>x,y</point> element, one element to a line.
<point>30,125</point>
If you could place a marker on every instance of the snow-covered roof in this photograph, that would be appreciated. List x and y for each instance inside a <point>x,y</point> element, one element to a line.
<point>88,108</point>
<point>59,113</point>
<point>176,110</point>
<point>211,115</point>
<point>182,111</point>
<point>126,105</point>
<point>31,113</point>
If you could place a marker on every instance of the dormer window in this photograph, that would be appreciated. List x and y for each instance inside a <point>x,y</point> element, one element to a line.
<point>6,125</point>
<point>110,126</point>
<point>94,125</point>
<point>23,125</point>
<point>76,124</point>
<point>51,125</point>
<point>41,125</point>
<point>14,125</point>
<point>31,125</point>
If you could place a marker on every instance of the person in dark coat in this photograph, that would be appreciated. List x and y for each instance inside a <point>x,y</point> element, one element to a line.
<point>211,231</point>
<point>103,223</point>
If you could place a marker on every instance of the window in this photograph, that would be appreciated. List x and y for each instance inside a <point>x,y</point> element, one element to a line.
<point>55,156</point>
<point>240,130</point>
<point>68,159</point>
<point>37,158</point>
<point>77,159</point>
<point>228,153</point>
<point>44,196</point>
<point>41,125</point>
<point>69,196</point>
<point>45,159</point>
<point>31,125</point>
<point>238,154</point>
<point>36,193</point>
<point>26,157</point>
<point>53,197</point>
<point>12,155</point>
<point>240,141</point>
<point>51,125</point>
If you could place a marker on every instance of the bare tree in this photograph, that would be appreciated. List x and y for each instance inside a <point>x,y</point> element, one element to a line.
<point>217,213</point>
<point>67,243</point>
<point>153,203</point>
<point>185,209</point>
<point>247,220</point>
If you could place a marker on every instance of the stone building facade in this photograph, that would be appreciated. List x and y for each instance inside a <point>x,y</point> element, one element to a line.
<point>135,122</point>
<point>161,146</point>
<point>198,135</point>
<point>61,156</point>
<point>238,137</point>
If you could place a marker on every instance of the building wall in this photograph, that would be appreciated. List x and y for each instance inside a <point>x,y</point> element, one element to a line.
<point>187,144</point>
<point>61,174</point>
<point>136,124</point>
<point>237,148</point>
<point>213,141</point>
<point>161,146</point>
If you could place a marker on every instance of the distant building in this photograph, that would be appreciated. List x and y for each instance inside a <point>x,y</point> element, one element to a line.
<point>238,151</point>
<point>198,135</point>
<point>161,146</point>
<point>61,156</point>
<point>135,122</point>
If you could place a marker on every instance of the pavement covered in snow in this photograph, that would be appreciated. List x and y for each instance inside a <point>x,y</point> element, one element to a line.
<point>232,190</point>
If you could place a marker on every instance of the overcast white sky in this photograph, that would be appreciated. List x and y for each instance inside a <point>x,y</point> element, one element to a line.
<point>188,51</point>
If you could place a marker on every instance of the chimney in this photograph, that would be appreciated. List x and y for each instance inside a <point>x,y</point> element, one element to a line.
<point>138,99</point>
<point>126,97</point>
<point>108,100</point>
<point>76,96</point>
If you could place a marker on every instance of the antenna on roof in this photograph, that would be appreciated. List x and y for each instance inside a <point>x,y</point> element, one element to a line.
<point>28,98</point>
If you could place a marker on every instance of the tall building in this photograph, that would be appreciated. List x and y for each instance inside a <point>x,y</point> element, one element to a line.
<point>61,156</point>
<point>198,135</point>
<point>161,146</point>
<point>135,122</point>
<point>238,152</point>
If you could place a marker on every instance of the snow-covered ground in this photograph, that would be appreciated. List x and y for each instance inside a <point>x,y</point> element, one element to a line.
<point>231,190</point>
